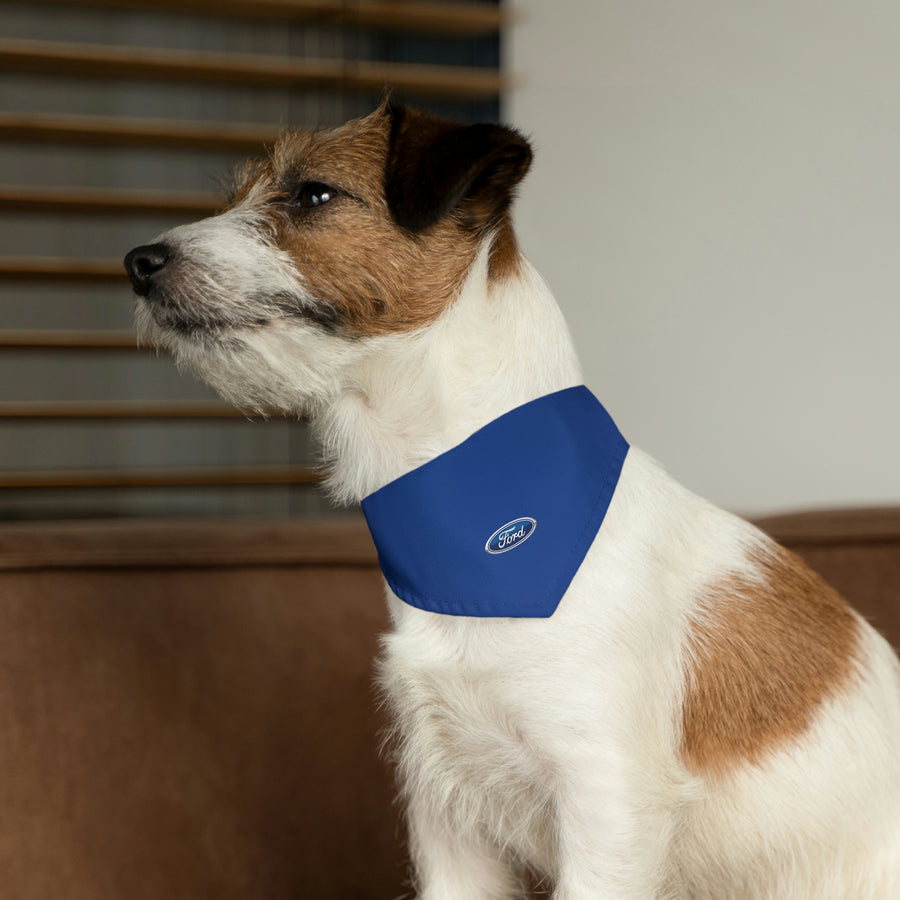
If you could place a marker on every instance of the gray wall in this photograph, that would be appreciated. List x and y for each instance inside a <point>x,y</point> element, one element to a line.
<point>716,202</point>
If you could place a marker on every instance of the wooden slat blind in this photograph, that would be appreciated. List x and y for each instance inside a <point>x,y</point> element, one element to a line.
<point>100,131</point>
<point>402,15</point>
<point>80,274</point>
<point>36,268</point>
<point>450,82</point>
<point>105,410</point>
<point>208,476</point>
<point>68,340</point>
<point>60,201</point>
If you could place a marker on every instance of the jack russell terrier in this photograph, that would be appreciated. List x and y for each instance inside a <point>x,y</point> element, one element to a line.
<point>594,675</point>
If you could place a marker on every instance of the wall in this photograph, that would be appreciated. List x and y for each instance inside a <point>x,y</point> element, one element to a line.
<point>716,203</point>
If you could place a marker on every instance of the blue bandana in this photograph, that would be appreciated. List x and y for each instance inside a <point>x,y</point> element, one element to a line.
<point>499,525</point>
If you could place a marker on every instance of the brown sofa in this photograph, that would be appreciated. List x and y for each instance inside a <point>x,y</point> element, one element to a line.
<point>186,709</point>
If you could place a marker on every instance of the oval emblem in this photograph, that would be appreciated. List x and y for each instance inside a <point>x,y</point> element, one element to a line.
<point>511,535</point>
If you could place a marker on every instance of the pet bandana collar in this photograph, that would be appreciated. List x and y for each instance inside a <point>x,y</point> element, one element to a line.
<point>499,525</point>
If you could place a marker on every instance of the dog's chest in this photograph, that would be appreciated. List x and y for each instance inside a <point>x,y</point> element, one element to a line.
<point>464,741</point>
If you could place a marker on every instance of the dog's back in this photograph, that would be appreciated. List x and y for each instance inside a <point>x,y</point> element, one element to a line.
<point>787,721</point>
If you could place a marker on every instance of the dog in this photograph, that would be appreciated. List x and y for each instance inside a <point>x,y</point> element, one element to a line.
<point>698,715</point>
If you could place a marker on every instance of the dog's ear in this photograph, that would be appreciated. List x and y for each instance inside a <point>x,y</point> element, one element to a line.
<point>435,166</point>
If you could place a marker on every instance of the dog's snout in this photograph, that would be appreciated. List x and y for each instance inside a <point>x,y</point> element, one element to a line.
<point>143,263</point>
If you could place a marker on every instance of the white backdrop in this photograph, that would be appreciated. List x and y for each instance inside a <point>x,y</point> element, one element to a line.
<point>716,203</point>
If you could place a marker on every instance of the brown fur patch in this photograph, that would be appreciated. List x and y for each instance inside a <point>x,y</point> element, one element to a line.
<point>505,254</point>
<point>375,276</point>
<point>763,657</point>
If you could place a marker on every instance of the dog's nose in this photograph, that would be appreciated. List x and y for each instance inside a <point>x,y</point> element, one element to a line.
<point>143,263</point>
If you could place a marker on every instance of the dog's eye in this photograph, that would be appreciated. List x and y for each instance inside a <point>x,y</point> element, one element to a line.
<point>314,193</point>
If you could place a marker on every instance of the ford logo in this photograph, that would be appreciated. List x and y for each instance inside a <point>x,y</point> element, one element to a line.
<point>511,535</point>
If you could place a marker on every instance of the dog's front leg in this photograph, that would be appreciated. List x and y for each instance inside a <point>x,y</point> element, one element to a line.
<point>450,865</point>
<point>613,842</point>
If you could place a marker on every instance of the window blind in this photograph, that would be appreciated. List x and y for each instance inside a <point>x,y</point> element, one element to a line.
<point>118,120</point>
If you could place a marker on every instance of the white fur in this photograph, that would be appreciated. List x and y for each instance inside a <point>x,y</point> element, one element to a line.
<point>555,742</point>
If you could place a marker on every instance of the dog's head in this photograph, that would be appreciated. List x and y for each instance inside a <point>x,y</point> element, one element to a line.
<point>337,238</point>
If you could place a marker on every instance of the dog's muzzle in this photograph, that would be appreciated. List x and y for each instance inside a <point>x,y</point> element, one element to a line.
<point>144,263</point>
